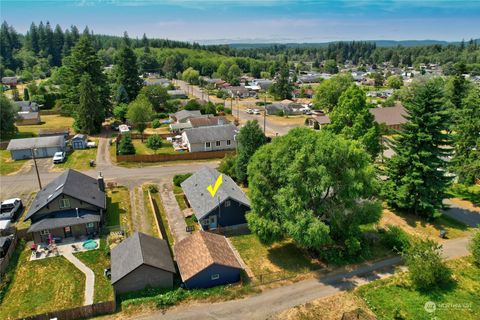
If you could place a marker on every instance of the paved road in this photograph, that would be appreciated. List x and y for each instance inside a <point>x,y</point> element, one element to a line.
<point>103,154</point>
<point>469,217</point>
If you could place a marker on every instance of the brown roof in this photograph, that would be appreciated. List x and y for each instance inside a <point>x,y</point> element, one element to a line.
<point>322,119</point>
<point>202,249</point>
<point>208,121</point>
<point>390,115</point>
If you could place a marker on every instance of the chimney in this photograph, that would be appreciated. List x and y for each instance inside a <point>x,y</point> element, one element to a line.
<point>76,209</point>
<point>101,182</point>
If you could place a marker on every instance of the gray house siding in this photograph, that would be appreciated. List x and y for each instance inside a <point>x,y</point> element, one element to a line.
<point>142,277</point>
<point>40,153</point>
<point>197,147</point>
<point>79,144</point>
<point>227,216</point>
<point>54,206</point>
<point>77,231</point>
<point>204,278</point>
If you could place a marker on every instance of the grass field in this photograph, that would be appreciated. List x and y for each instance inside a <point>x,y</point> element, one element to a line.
<point>48,122</point>
<point>79,159</point>
<point>97,260</point>
<point>7,165</point>
<point>118,208</point>
<point>141,148</point>
<point>397,296</point>
<point>41,286</point>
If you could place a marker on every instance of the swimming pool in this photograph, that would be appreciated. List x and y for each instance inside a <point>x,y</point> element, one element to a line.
<point>90,244</point>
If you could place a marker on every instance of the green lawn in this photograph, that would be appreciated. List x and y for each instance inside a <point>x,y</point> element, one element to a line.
<point>97,260</point>
<point>469,193</point>
<point>192,223</point>
<point>7,165</point>
<point>141,148</point>
<point>152,224</point>
<point>282,258</point>
<point>79,159</point>
<point>118,208</point>
<point>397,295</point>
<point>48,122</point>
<point>165,227</point>
<point>41,286</point>
<point>181,201</point>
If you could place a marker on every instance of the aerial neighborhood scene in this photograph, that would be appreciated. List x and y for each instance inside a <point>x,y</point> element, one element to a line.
<point>270,159</point>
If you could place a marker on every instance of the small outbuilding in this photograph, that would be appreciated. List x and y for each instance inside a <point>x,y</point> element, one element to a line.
<point>44,147</point>
<point>79,141</point>
<point>206,260</point>
<point>141,261</point>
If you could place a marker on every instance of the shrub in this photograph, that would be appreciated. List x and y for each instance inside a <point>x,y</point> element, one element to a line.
<point>424,261</point>
<point>161,115</point>
<point>474,247</point>
<point>228,166</point>
<point>395,239</point>
<point>153,188</point>
<point>126,146</point>
<point>156,124</point>
<point>154,142</point>
<point>179,178</point>
<point>280,113</point>
<point>228,111</point>
<point>353,246</point>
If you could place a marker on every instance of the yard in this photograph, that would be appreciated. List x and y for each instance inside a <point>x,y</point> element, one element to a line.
<point>152,228</point>
<point>40,286</point>
<point>396,298</point>
<point>165,228</point>
<point>142,149</point>
<point>118,209</point>
<point>468,193</point>
<point>7,165</point>
<point>48,122</point>
<point>78,159</point>
<point>97,260</point>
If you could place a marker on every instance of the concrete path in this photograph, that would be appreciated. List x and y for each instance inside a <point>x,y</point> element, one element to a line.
<point>276,300</point>
<point>468,216</point>
<point>89,277</point>
<point>176,220</point>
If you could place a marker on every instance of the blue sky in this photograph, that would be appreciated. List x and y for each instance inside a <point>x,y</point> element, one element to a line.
<point>257,21</point>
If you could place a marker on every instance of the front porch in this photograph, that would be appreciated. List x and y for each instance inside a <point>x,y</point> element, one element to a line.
<point>66,247</point>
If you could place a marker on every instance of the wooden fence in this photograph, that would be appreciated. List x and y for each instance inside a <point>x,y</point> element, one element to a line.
<point>146,135</point>
<point>4,262</point>
<point>173,157</point>
<point>82,312</point>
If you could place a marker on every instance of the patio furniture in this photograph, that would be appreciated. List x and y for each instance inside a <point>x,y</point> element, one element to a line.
<point>75,248</point>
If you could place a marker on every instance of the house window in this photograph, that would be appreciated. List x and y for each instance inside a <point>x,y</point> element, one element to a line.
<point>215,276</point>
<point>64,203</point>
<point>205,222</point>
<point>44,232</point>
<point>207,145</point>
<point>227,203</point>
<point>229,142</point>
<point>217,143</point>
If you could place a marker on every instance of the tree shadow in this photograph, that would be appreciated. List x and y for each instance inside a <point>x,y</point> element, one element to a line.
<point>290,258</point>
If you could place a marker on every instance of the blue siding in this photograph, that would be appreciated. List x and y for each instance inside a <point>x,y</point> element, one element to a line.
<point>229,216</point>
<point>203,279</point>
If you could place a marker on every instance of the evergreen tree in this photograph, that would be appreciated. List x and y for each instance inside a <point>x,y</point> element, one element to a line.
<point>89,114</point>
<point>126,146</point>
<point>352,119</point>
<point>122,95</point>
<point>126,69</point>
<point>282,88</point>
<point>33,39</point>
<point>7,118</point>
<point>416,173</point>
<point>57,46</point>
<point>249,139</point>
<point>26,96</point>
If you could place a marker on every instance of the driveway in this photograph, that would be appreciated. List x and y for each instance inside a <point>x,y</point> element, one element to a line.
<point>463,214</point>
<point>103,153</point>
<point>175,217</point>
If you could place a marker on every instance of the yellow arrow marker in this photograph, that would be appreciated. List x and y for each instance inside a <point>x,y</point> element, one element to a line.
<point>215,188</point>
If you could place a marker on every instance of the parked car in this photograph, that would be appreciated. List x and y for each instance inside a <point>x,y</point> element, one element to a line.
<point>91,144</point>
<point>58,157</point>
<point>10,209</point>
<point>256,112</point>
<point>249,111</point>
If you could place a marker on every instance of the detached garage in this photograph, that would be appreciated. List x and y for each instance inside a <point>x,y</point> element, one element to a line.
<point>45,147</point>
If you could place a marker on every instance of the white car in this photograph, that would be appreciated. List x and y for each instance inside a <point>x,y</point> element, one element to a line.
<point>58,157</point>
<point>91,144</point>
<point>10,209</point>
<point>249,111</point>
<point>256,111</point>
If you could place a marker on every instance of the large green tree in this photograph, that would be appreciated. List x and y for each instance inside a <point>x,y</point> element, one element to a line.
<point>417,172</point>
<point>329,91</point>
<point>314,187</point>
<point>352,119</point>
<point>139,113</point>
<point>282,88</point>
<point>89,114</point>
<point>7,118</point>
<point>126,69</point>
<point>157,95</point>
<point>249,139</point>
<point>466,160</point>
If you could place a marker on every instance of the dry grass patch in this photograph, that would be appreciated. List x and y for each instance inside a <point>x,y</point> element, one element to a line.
<point>9,166</point>
<point>48,122</point>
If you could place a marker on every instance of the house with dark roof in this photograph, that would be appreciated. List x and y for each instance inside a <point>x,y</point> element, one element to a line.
<point>206,260</point>
<point>182,116</point>
<point>225,210</point>
<point>72,205</point>
<point>27,113</point>
<point>177,94</point>
<point>210,138</point>
<point>44,147</point>
<point>141,261</point>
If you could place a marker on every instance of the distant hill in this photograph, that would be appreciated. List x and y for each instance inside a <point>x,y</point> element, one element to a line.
<point>379,43</point>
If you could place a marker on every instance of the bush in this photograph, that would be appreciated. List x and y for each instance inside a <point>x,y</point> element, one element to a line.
<point>154,142</point>
<point>474,247</point>
<point>353,246</point>
<point>424,261</point>
<point>179,178</point>
<point>395,239</point>
<point>156,124</point>
<point>153,188</point>
<point>126,146</point>
<point>228,111</point>
<point>228,166</point>
<point>161,115</point>
<point>280,113</point>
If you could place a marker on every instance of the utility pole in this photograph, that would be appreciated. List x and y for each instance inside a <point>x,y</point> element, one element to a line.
<point>264,112</point>
<point>238,106</point>
<point>36,167</point>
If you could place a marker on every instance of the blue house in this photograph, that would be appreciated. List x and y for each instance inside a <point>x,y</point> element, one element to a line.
<point>79,141</point>
<point>206,260</point>
<point>225,210</point>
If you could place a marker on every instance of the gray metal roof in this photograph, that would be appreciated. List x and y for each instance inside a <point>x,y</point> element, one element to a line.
<point>27,105</point>
<point>185,114</point>
<point>213,133</point>
<point>28,115</point>
<point>66,218</point>
<point>80,136</point>
<point>72,183</point>
<point>202,203</point>
<point>137,250</point>
<point>37,142</point>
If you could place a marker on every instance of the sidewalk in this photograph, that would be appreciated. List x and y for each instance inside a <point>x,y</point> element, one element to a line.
<point>89,277</point>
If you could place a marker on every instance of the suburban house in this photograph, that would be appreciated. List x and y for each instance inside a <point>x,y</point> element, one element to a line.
<point>79,141</point>
<point>264,84</point>
<point>10,81</point>
<point>27,106</point>
<point>226,210</point>
<point>157,82</point>
<point>391,117</point>
<point>240,92</point>
<point>177,94</point>
<point>184,115</point>
<point>206,260</point>
<point>72,205</point>
<point>203,121</point>
<point>27,113</point>
<point>303,93</point>
<point>43,147</point>
<point>290,108</point>
<point>213,138</point>
<point>141,261</point>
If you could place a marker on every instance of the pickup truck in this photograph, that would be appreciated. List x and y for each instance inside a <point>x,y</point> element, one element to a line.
<point>58,157</point>
<point>9,209</point>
